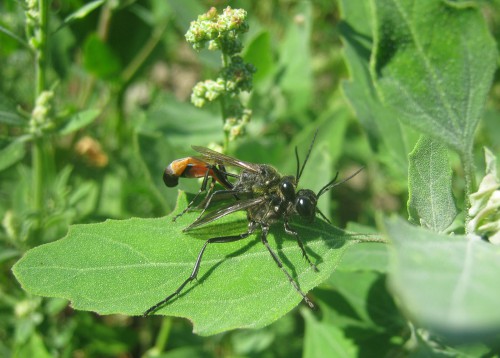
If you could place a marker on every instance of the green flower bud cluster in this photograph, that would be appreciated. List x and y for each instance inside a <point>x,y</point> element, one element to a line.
<point>221,32</point>
<point>33,23</point>
<point>42,113</point>
<point>237,120</point>
<point>238,75</point>
<point>233,79</point>
<point>485,204</point>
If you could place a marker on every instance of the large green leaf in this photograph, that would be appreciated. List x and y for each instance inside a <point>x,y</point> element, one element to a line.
<point>434,63</point>
<point>127,266</point>
<point>449,283</point>
<point>386,133</point>
<point>431,202</point>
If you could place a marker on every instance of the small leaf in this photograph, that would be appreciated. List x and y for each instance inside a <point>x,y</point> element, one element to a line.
<point>127,266</point>
<point>79,120</point>
<point>8,112</point>
<point>11,154</point>
<point>259,53</point>
<point>430,202</point>
<point>433,64</point>
<point>449,283</point>
<point>367,295</point>
<point>100,59</point>
<point>81,13</point>
<point>32,347</point>
<point>297,80</point>
<point>325,339</point>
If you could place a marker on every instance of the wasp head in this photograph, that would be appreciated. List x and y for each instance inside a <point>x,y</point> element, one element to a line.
<point>305,204</point>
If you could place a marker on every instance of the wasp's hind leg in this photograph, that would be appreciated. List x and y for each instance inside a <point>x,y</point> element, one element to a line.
<point>202,189</point>
<point>196,268</point>
<point>219,174</point>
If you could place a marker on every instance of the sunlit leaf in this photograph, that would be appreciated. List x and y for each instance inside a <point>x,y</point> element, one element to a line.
<point>127,266</point>
<point>434,63</point>
<point>449,283</point>
<point>431,202</point>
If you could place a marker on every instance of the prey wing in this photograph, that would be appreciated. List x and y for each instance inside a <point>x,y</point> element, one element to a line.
<point>211,156</point>
<point>226,210</point>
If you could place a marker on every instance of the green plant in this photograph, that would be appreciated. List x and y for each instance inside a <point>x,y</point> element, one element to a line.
<point>421,81</point>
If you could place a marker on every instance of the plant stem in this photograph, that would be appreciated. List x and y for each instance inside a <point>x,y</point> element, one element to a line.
<point>468,165</point>
<point>223,104</point>
<point>144,53</point>
<point>39,147</point>
<point>38,182</point>
<point>41,53</point>
<point>163,335</point>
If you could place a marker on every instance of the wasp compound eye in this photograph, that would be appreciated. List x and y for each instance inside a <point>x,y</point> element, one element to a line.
<point>287,188</point>
<point>305,204</point>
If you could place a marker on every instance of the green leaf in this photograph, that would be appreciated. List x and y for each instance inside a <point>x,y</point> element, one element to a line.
<point>259,53</point>
<point>367,295</point>
<point>11,154</point>
<point>33,347</point>
<point>385,132</point>
<point>297,79</point>
<point>79,120</point>
<point>370,256</point>
<point>99,58</point>
<point>434,63</point>
<point>324,339</point>
<point>8,112</point>
<point>430,202</point>
<point>128,266</point>
<point>81,13</point>
<point>448,283</point>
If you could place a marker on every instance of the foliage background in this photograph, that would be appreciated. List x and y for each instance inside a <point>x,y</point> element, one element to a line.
<point>122,75</point>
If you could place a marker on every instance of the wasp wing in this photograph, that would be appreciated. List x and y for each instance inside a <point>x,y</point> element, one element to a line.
<point>212,156</point>
<point>226,210</point>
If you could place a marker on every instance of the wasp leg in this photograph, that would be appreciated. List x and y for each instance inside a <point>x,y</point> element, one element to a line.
<point>213,195</point>
<point>194,273</point>
<point>219,174</point>
<point>202,189</point>
<point>265,230</point>
<point>292,232</point>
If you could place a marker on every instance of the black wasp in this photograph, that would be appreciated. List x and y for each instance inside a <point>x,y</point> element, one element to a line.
<point>260,189</point>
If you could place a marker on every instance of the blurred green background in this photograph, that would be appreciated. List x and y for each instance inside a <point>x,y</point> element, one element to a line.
<point>122,75</point>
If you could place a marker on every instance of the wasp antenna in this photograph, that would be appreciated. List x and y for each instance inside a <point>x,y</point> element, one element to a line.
<point>307,156</point>
<point>328,186</point>
<point>332,183</point>
<point>323,216</point>
<point>298,163</point>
